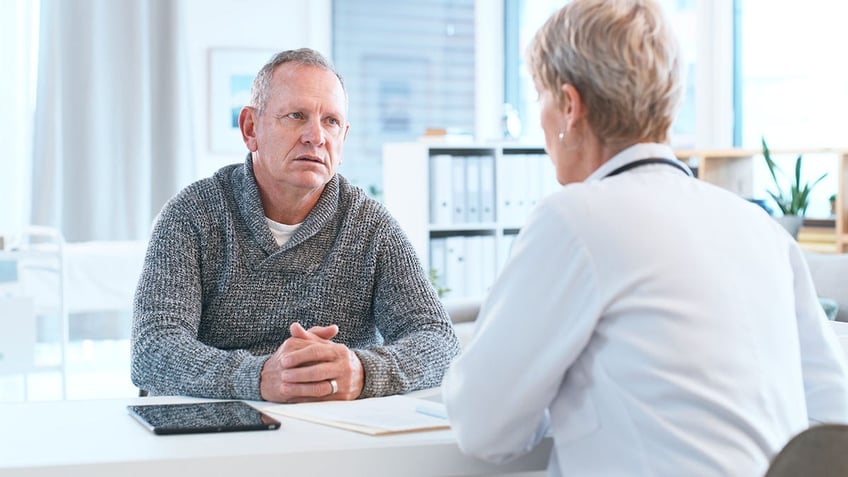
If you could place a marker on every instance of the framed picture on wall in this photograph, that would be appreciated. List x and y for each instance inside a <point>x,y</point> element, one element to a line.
<point>231,73</point>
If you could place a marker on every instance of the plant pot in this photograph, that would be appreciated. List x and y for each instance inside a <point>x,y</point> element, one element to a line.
<point>792,224</point>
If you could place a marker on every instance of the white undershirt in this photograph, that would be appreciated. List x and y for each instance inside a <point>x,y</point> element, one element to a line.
<point>281,232</point>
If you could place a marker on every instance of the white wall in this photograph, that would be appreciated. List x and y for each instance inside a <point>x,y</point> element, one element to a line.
<point>261,24</point>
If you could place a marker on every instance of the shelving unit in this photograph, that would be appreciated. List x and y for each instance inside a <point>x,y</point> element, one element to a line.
<point>419,178</point>
<point>462,205</point>
<point>733,169</point>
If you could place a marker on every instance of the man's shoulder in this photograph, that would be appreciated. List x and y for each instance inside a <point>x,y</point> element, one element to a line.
<point>356,197</point>
<point>208,191</point>
<point>198,191</point>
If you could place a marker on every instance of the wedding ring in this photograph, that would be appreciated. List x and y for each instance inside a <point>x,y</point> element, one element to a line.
<point>335,386</point>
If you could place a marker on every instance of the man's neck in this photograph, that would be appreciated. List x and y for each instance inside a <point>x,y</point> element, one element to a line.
<point>288,206</point>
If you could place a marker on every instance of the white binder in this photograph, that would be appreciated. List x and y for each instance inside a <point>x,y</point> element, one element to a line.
<point>438,261</point>
<point>507,195</point>
<point>459,215</point>
<point>474,285</point>
<point>472,189</point>
<point>487,189</point>
<point>488,264</point>
<point>455,266</point>
<point>441,189</point>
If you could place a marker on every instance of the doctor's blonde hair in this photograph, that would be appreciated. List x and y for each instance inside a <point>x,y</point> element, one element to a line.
<point>623,59</point>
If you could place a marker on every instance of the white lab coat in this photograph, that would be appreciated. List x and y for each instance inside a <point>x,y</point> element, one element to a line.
<point>658,324</point>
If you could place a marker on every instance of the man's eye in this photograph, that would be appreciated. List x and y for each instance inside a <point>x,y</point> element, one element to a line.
<point>295,115</point>
<point>333,121</point>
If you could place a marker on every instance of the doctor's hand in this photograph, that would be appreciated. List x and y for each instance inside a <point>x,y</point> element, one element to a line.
<point>310,367</point>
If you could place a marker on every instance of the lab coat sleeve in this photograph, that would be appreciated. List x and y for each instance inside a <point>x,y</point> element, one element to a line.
<point>536,320</point>
<point>823,363</point>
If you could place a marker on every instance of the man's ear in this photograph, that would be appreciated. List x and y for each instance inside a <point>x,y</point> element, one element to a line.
<point>247,124</point>
<point>347,129</point>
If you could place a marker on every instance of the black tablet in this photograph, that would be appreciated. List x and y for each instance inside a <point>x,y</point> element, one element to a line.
<point>215,416</point>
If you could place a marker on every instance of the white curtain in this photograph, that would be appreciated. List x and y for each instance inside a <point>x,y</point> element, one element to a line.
<point>18,43</point>
<point>112,124</point>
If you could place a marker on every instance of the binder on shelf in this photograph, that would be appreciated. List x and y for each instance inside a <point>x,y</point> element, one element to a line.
<point>488,263</point>
<point>517,185</point>
<point>487,189</point>
<point>438,261</point>
<point>520,186</point>
<point>507,201</point>
<point>506,249</point>
<point>533,183</point>
<point>472,189</point>
<point>474,285</point>
<point>473,201</point>
<point>441,189</point>
<point>459,215</point>
<point>455,266</point>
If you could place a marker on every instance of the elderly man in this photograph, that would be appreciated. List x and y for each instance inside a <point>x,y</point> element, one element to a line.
<point>276,279</point>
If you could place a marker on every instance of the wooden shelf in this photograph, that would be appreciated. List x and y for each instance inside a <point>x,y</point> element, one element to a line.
<point>409,175</point>
<point>733,169</point>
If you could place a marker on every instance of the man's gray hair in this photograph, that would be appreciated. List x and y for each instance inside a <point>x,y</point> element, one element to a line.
<point>303,56</point>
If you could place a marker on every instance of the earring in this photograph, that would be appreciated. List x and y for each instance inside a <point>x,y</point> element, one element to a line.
<point>567,147</point>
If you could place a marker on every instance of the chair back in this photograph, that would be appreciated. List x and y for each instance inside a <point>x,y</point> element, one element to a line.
<point>819,451</point>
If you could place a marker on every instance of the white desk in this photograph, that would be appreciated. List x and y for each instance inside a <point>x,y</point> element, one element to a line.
<point>97,438</point>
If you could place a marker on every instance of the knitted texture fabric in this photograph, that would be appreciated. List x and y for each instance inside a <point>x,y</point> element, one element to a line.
<point>217,295</point>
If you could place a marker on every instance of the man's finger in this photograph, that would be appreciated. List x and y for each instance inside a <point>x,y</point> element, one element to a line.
<point>314,373</point>
<point>323,332</point>
<point>298,331</point>
<point>318,389</point>
<point>316,352</point>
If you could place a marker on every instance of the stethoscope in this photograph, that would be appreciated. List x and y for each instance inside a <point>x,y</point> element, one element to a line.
<point>646,162</point>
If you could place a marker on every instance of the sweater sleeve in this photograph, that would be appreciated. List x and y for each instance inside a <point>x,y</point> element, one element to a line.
<point>419,340</point>
<point>167,357</point>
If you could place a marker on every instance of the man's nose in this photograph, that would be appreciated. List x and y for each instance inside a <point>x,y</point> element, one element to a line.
<point>313,133</point>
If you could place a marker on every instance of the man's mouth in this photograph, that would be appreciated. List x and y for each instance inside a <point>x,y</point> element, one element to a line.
<point>310,158</point>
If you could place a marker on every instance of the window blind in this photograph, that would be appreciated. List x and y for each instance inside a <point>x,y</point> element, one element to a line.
<point>408,66</point>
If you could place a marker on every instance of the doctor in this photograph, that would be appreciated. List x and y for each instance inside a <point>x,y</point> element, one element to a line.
<point>651,323</point>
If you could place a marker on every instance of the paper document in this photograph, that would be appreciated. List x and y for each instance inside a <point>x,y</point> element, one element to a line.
<point>374,416</point>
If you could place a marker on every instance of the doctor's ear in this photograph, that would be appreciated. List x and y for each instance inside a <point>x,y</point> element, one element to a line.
<point>573,108</point>
<point>248,117</point>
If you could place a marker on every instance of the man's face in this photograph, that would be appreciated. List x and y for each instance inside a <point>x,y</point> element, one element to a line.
<point>297,140</point>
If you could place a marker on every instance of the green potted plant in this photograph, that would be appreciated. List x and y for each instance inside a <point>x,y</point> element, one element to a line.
<point>793,200</point>
<point>436,281</point>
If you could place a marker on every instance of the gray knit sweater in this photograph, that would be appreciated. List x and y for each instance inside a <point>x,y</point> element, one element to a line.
<point>217,295</point>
